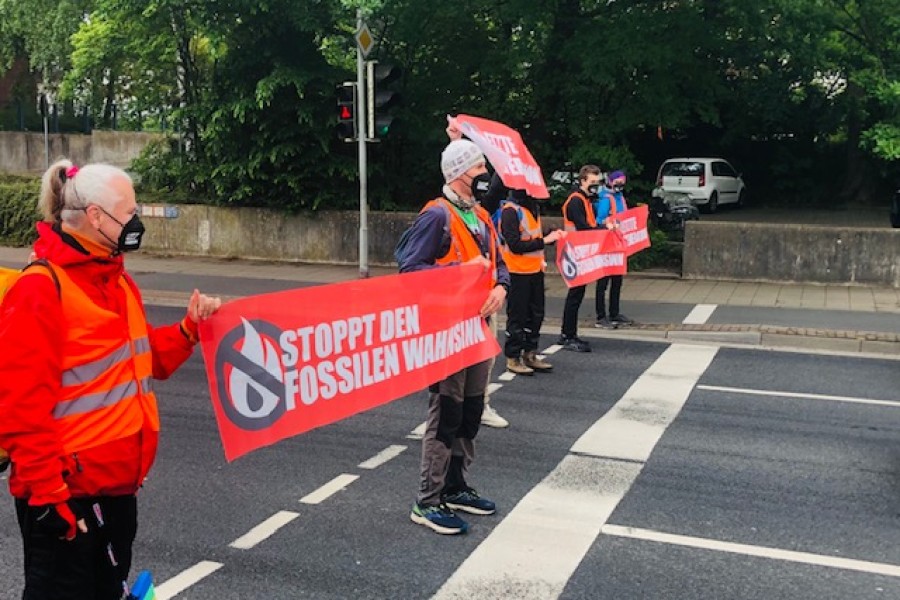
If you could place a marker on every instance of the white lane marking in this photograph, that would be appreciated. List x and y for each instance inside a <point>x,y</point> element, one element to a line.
<point>634,425</point>
<point>700,314</point>
<point>382,457</point>
<point>751,392</point>
<point>553,349</point>
<point>493,387</point>
<point>506,376</point>
<point>264,530</point>
<point>541,542</point>
<point>822,560</point>
<point>419,432</point>
<point>185,579</point>
<point>332,487</point>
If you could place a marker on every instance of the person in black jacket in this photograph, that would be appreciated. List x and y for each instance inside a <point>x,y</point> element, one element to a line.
<point>523,252</point>
<point>578,215</point>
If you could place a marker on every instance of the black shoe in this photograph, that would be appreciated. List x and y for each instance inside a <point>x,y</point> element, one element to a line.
<point>605,323</point>
<point>621,320</point>
<point>574,344</point>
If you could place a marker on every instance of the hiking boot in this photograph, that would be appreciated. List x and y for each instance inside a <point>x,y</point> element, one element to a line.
<point>536,363</point>
<point>438,518</point>
<point>605,323</point>
<point>490,418</point>
<point>621,320</point>
<point>469,501</point>
<point>574,344</point>
<point>515,365</point>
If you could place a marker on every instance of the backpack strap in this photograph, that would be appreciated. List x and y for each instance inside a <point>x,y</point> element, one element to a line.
<point>43,262</point>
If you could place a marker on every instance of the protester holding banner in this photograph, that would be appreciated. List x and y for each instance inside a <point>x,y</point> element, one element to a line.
<point>80,420</point>
<point>523,251</point>
<point>578,215</point>
<point>609,205</point>
<point>453,229</point>
<point>489,199</point>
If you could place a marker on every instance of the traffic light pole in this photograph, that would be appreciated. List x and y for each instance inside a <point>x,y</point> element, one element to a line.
<point>363,176</point>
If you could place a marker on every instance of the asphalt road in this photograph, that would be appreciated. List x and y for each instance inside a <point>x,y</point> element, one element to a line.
<point>608,488</point>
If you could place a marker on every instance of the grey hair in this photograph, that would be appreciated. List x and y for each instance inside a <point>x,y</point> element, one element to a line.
<point>63,198</point>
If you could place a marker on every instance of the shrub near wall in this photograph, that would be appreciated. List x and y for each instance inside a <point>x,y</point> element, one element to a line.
<point>18,210</point>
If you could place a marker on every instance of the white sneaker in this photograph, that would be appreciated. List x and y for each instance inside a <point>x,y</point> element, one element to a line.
<point>490,418</point>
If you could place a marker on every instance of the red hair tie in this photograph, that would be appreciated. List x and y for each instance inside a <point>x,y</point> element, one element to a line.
<point>71,172</point>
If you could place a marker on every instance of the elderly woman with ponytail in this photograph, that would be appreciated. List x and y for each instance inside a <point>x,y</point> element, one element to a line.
<point>80,421</point>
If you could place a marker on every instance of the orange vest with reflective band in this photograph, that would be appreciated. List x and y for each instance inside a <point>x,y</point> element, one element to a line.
<point>463,246</point>
<point>529,229</point>
<point>588,211</point>
<point>106,397</point>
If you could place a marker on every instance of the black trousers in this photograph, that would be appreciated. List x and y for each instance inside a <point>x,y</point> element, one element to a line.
<point>85,568</point>
<point>615,291</point>
<point>524,313</point>
<point>570,312</point>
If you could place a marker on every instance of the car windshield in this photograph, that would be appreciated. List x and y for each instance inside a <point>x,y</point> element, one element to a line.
<point>682,169</point>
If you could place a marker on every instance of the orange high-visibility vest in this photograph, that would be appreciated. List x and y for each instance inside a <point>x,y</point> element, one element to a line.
<point>588,211</point>
<point>463,246</point>
<point>107,365</point>
<point>529,229</point>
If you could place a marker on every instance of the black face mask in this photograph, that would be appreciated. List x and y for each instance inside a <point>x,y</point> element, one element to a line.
<point>618,188</point>
<point>130,237</point>
<point>480,185</point>
<point>593,190</point>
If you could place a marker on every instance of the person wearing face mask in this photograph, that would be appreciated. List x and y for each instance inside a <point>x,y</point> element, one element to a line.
<point>609,204</point>
<point>453,229</point>
<point>489,196</point>
<point>523,251</point>
<point>80,420</point>
<point>578,215</point>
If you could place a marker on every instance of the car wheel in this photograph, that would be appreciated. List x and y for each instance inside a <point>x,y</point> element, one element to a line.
<point>741,200</point>
<point>713,204</point>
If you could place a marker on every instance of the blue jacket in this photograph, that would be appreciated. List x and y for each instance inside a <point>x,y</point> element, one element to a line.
<point>604,202</point>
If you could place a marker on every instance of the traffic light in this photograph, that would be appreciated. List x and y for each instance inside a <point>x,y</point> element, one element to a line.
<point>381,99</point>
<point>346,111</point>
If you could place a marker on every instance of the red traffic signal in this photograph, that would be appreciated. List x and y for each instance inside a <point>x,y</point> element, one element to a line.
<point>346,105</point>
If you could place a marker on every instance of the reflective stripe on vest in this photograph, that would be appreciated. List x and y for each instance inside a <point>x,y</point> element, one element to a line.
<point>588,211</point>
<point>529,229</point>
<point>463,246</point>
<point>107,366</point>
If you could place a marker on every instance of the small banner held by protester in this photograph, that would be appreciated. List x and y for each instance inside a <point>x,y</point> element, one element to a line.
<point>586,256</point>
<point>633,227</point>
<point>281,364</point>
<point>503,146</point>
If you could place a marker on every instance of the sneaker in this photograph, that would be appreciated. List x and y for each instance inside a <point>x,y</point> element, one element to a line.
<point>621,319</point>
<point>469,501</point>
<point>605,323</point>
<point>438,518</point>
<point>535,362</point>
<point>490,418</point>
<point>515,365</point>
<point>574,344</point>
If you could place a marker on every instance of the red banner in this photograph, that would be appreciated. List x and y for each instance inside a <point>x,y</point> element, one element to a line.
<point>586,256</point>
<point>284,363</point>
<point>504,147</point>
<point>633,227</point>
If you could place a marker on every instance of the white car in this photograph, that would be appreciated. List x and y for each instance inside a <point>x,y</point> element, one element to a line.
<point>708,182</point>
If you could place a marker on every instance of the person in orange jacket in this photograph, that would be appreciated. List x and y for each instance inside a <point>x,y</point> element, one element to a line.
<point>80,420</point>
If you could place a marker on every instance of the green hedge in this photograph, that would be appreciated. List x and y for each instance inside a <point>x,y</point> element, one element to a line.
<point>18,210</point>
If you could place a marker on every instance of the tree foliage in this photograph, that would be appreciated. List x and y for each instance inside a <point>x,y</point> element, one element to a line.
<point>804,95</point>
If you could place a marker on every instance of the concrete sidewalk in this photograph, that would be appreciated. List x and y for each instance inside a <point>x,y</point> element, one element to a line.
<point>639,287</point>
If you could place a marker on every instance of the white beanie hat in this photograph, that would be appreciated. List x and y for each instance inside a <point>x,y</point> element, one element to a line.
<point>458,157</point>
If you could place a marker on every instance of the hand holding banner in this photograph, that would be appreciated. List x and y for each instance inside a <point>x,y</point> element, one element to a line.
<point>504,147</point>
<point>284,363</point>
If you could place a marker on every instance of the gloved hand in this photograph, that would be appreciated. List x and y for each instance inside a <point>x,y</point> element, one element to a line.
<point>63,520</point>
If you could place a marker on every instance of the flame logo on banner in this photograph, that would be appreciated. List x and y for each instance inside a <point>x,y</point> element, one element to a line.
<point>250,375</point>
<point>568,264</point>
<point>246,391</point>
